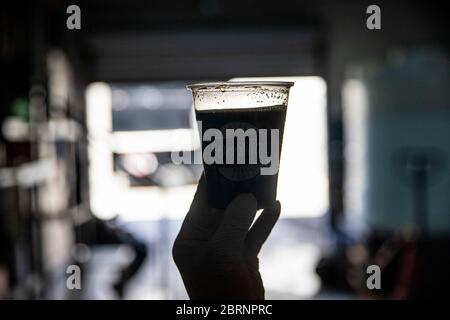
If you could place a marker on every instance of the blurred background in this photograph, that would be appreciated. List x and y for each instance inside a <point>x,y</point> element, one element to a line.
<point>89,118</point>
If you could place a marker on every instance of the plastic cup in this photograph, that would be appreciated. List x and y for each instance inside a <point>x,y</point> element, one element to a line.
<point>241,127</point>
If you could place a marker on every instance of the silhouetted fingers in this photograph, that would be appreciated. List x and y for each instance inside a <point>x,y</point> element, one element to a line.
<point>261,229</point>
<point>236,221</point>
<point>201,221</point>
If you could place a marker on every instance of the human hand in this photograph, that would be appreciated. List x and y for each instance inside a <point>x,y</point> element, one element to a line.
<point>217,254</point>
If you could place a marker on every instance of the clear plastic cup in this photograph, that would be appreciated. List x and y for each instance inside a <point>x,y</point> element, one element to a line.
<point>241,127</point>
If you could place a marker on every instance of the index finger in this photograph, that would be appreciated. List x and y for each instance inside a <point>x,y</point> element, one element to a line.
<point>200,221</point>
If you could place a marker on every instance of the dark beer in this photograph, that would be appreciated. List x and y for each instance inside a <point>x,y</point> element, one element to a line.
<point>226,181</point>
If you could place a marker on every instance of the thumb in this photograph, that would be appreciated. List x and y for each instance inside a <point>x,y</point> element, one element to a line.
<point>261,229</point>
<point>237,220</point>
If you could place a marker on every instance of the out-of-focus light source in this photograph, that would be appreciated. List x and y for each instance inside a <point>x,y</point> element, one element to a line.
<point>355,119</point>
<point>15,129</point>
<point>303,178</point>
<point>140,164</point>
<point>99,122</point>
<point>110,193</point>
